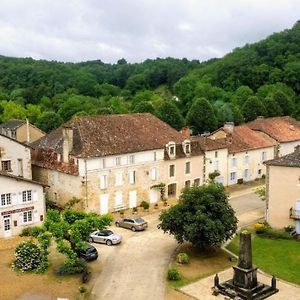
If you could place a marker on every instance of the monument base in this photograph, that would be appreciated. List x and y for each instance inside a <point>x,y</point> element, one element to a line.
<point>260,291</point>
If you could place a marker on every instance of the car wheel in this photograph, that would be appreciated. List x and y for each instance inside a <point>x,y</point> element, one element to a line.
<point>117,224</point>
<point>108,242</point>
<point>133,228</point>
<point>91,240</point>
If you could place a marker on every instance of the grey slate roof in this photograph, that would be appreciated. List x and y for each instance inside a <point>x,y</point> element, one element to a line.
<point>12,124</point>
<point>290,160</point>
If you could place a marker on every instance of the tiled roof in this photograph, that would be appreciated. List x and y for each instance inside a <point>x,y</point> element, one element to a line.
<point>12,124</point>
<point>111,135</point>
<point>208,144</point>
<point>290,160</point>
<point>18,178</point>
<point>244,139</point>
<point>282,129</point>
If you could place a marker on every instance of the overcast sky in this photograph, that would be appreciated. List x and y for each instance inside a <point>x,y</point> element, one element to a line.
<point>80,30</point>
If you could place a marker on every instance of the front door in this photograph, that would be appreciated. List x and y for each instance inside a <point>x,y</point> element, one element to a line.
<point>103,204</point>
<point>132,199</point>
<point>7,226</point>
<point>172,190</point>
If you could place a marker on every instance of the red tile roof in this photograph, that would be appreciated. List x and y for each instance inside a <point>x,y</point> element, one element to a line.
<point>103,135</point>
<point>282,129</point>
<point>208,144</point>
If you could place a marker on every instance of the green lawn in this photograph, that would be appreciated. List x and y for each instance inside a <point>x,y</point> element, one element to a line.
<point>276,257</point>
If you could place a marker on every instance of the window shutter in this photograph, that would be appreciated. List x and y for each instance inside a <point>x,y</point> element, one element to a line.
<point>131,177</point>
<point>35,216</point>
<point>14,199</point>
<point>103,182</point>
<point>35,197</point>
<point>153,174</point>
<point>20,198</point>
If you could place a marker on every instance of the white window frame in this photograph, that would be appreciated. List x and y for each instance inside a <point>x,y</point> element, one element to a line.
<point>118,161</point>
<point>232,176</point>
<point>153,173</point>
<point>132,177</point>
<point>264,156</point>
<point>28,217</point>
<point>233,162</point>
<point>246,159</point>
<point>6,199</point>
<point>170,166</point>
<point>131,159</point>
<point>27,196</point>
<point>103,181</point>
<point>6,165</point>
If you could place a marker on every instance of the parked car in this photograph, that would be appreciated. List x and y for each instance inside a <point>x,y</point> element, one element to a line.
<point>133,223</point>
<point>88,253</point>
<point>107,237</point>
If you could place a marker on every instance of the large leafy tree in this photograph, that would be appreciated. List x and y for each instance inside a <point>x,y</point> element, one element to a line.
<point>169,113</point>
<point>203,216</point>
<point>253,108</point>
<point>201,116</point>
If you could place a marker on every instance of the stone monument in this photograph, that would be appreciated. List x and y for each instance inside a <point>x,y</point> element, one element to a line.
<point>244,283</point>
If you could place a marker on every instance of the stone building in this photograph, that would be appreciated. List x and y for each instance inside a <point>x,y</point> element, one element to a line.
<point>283,191</point>
<point>22,201</point>
<point>112,161</point>
<point>21,130</point>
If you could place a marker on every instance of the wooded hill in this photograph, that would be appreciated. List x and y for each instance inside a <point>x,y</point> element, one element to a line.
<point>257,79</point>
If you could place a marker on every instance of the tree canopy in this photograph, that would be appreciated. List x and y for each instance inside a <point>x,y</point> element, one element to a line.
<point>203,216</point>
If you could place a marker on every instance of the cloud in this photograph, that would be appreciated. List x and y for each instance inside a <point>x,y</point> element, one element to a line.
<point>79,30</point>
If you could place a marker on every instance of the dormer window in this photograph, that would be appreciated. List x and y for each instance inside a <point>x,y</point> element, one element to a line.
<point>186,147</point>
<point>171,149</point>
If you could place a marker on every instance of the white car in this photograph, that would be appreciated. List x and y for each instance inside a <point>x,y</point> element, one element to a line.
<point>107,237</point>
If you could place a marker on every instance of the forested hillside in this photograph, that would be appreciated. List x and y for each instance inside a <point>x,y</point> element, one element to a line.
<point>258,79</point>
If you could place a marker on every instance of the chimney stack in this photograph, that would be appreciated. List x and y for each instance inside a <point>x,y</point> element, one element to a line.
<point>186,132</point>
<point>67,142</point>
<point>229,127</point>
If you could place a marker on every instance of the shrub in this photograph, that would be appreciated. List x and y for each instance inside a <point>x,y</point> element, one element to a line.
<point>145,204</point>
<point>270,233</point>
<point>183,258</point>
<point>36,231</point>
<point>72,266</point>
<point>259,227</point>
<point>28,257</point>
<point>289,228</point>
<point>25,232</point>
<point>82,289</point>
<point>173,274</point>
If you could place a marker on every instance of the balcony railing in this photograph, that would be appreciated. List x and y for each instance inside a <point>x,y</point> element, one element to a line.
<point>294,214</point>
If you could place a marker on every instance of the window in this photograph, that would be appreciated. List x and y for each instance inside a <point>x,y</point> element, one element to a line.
<point>233,162</point>
<point>216,154</point>
<point>119,179</point>
<point>172,170</point>
<point>246,173</point>
<point>103,163</point>
<point>197,182</point>
<point>6,165</point>
<point>131,159</point>
<point>172,150</point>
<point>216,165</point>
<point>153,173</point>
<point>118,161</point>
<point>232,176</point>
<point>103,182</point>
<point>14,134</point>
<point>187,168</point>
<point>187,148</point>
<point>132,177</point>
<point>246,159</point>
<point>58,157</point>
<point>154,156</point>
<point>27,216</point>
<point>27,196</point>
<point>5,199</point>
<point>259,172</point>
<point>263,156</point>
<point>187,184</point>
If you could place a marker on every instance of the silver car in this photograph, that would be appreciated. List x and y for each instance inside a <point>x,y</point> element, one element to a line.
<point>107,237</point>
<point>133,223</point>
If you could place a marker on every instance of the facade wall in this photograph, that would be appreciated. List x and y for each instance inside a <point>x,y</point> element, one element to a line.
<point>33,132</point>
<point>287,148</point>
<point>283,189</point>
<point>216,160</point>
<point>62,186</point>
<point>248,165</point>
<point>12,219</point>
<point>18,155</point>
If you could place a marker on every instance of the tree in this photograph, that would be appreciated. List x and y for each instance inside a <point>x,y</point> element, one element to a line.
<point>253,108</point>
<point>143,107</point>
<point>285,103</point>
<point>203,216</point>
<point>201,116</point>
<point>48,121</point>
<point>168,112</point>
<point>272,107</point>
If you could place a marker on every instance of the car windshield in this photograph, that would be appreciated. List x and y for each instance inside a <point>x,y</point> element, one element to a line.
<point>90,250</point>
<point>139,220</point>
<point>107,232</point>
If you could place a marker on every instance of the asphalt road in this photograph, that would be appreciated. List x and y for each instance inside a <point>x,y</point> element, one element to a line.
<point>135,269</point>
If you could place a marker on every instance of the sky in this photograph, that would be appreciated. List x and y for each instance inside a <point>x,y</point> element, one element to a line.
<point>81,30</point>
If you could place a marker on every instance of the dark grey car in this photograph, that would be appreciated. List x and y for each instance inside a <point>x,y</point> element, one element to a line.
<point>133,223</point>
